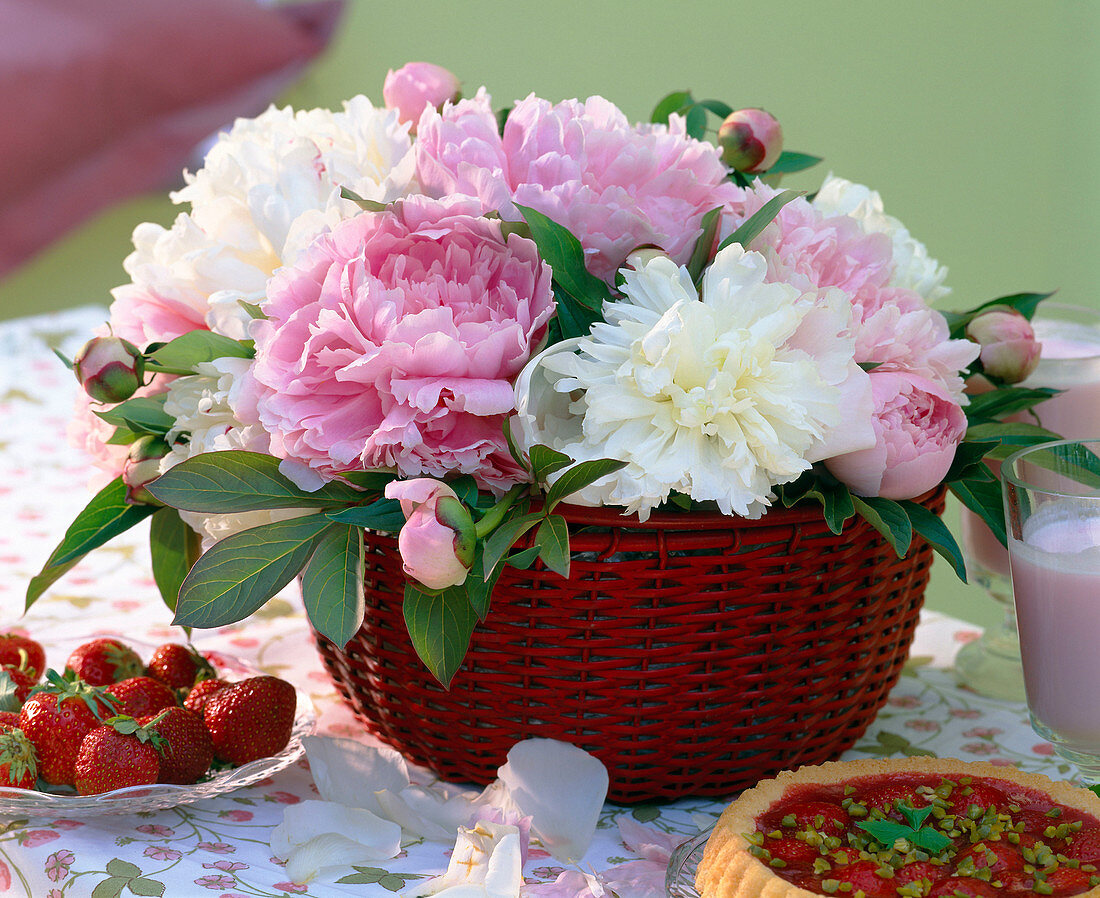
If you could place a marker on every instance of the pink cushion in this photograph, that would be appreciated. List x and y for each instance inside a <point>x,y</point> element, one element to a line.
<point>100,101</point>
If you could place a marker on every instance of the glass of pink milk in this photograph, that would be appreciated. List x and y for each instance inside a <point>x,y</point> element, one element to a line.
<point>1052,509</point>
<point>1070,361</point>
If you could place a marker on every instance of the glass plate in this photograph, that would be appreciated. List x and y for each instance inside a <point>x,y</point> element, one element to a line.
<point>24,803</point>
<point>682,864</point>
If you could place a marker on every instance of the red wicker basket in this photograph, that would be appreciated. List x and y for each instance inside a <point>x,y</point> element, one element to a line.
<point>693,654</point>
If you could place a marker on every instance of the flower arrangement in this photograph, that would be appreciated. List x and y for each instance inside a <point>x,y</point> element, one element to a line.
<point>441,319</point>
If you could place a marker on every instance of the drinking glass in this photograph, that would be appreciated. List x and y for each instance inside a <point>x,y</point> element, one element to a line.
<point>1052,507</point>
<point>1070,362</point>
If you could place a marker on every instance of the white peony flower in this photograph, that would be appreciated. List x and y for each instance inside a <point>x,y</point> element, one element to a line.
<point>487,862</point>
<point>914,269</point>
<point>719,398</point>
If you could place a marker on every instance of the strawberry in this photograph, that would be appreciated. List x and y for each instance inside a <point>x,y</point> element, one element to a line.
<point>18,761</point>
<point>251,719</point>
<point>117,754</point>
<point>56,717</point>
<point>9,720</point>
<point>22,651</point>
<point>962,797</point>
<point>200,694</point>
<point>916,870</point>
<point>141,696</point>
<point>964,885</point>
<point>864,876</point>
<point>833,818</point>
<point>16,684</point>
<point>885,798</point>
<point>188,750</point>
<point>1084,846</point>
<point>1002,858</point>
<point>104,661</point>
<point>793,852</point>
<point>180,666</point>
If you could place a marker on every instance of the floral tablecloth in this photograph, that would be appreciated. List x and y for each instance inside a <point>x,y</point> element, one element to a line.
<point>221,845</point>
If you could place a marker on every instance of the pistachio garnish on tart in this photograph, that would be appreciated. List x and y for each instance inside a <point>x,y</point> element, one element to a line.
<point>905,828</point>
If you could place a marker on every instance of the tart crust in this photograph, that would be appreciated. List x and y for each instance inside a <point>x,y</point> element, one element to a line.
<point>728,870</point>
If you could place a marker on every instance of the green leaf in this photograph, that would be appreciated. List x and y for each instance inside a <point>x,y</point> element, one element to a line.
<point>564,254</point>
<point>504,537</point>
<point>552,540</point>
<point>750,229</point>
<point>174,548</point>
<point>383,515</point>
<point>364,204</point>
<point>198,346</point>
<point>915,817</point>
<point>479,588</point>
<point>572,319</point>
<point>1009,436</point>
<point>720,109</point>
<point>513,449</point>
<point>143,886</point>
<point>669,104</point>
<point>789,163</point>
<point>834,497</point>
<point>235,481</point>
<point>253,310</point>
<point>524,558</point>
<point>579,476</point>
<point>931,840</point>
<point>145,414</point>
<point>888,518</point>
<point>440,625</point>
<point>65,360</point>
<point>1070,460</point>
<point>969,460</point>
<point>1024,303</point>
<point>704,246</point>
<point>546,461</point>
<point>984,499</point>
<point>936,533</point>
<point>241,572</point>
<point>332,584</point>
<point>105,517</point>
<point>368,481</point>
<point>1005,401</point>
<point>695,123</point>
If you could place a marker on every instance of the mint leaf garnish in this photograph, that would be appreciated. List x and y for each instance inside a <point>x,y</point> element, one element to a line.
<point>915,817</point>
<point>888,831</point>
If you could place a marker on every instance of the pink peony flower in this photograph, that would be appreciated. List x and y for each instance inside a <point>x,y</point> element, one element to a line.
<point>614,185</point>
<point>395,341</point>
<point>1009,349</point>
<point>109,368</point>
<point>918,427</point>
<point>416,85</point>
<point>751,140</point>
<point>436,549</point>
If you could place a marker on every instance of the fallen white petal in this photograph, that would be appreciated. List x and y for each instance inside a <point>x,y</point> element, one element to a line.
<point>504,875</point>
<point>393,807</point>
<point>313,823</point>
<point>305,861</point>
<point>561,787</point>
<point>486,863</point>
<point>350,773</point>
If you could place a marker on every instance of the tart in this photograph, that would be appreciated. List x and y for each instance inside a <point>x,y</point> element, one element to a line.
<point>905,828</point>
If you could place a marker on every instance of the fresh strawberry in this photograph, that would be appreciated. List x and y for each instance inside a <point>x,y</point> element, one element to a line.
<point>22,651</point>
<point>22,680</point>
<point>9,720</point>
<point>962,797</point>
<point>188,750</point>
<point>864,876</point>
<point>964,885</point>
<point>885,798</point>
<point>1084,846</point>
<point>115,755</point>
<point>180,666</point>
<point>18,761</point>
<point>56,717</point>
<point>1002,858</point>
<point>104,661</point>
<point>1067,881</point>
<point>916,870</point>
<point>142,696</point>
<point>200,694</point>
<point>251,719</point>
<point>793,852</point>
<point>821,815</point>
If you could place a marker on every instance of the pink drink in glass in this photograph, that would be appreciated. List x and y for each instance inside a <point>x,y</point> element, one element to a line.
<point>1056,581</point>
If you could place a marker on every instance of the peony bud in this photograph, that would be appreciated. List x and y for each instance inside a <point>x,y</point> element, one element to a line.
<point>1009,349</point>
<point>416,85</point>
<point>751,140</point>
<point>438,540</point>
<point>109,369</point>
<point>142,467</point>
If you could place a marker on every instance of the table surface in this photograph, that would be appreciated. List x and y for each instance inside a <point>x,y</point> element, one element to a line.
<point>221,844</point>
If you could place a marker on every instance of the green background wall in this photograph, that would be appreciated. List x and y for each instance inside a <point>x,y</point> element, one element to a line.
<point>979,122</point>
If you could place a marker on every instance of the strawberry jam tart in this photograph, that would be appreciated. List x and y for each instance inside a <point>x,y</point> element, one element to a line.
<point>907,828</point>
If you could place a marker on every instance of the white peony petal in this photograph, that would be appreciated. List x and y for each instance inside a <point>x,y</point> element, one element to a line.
<point>487,862</point>
<point>394,808</point>
<point>562,788</point>
<point>350,772</point>
<point>307,830</point>
<point>504,875</point>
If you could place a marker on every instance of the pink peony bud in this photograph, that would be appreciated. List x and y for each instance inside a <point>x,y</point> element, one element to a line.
<point>109,369</point>
<point>142,467</point>
<point>1009,349</point>
<point>751,140</point>
<point>416,85</point>
<point>437,541</point>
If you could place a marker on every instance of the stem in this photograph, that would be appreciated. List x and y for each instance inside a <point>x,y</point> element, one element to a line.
<point>495,515</point>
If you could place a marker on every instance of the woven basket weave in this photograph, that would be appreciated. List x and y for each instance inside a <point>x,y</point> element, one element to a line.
<point>693,654</point>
